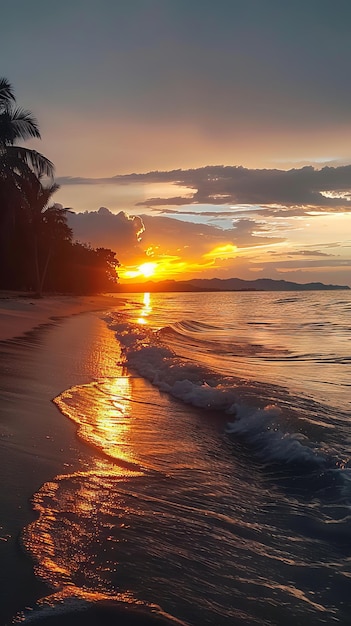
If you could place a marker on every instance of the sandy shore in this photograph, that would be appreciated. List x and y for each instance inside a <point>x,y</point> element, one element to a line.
<point>36,441</point>
<point>20,314</point>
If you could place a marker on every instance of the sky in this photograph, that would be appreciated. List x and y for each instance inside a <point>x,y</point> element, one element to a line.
<point>195,138</point>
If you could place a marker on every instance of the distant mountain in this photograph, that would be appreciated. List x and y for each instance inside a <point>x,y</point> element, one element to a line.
<point>228,284</point>
<point>261,284</point>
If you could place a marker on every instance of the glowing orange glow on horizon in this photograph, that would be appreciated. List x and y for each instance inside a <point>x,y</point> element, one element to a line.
<point>144,270</point>
<point>176,266</point>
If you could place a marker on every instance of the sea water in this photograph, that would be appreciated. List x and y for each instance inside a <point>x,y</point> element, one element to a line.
<point>219,486</point>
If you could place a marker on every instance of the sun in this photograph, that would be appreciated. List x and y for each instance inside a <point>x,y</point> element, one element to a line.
<point>147,269</point>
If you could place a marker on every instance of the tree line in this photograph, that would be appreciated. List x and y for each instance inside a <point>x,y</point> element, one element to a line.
<point>37,249</point>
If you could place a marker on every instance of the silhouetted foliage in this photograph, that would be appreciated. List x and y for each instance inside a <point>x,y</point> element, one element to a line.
<point>78,268</point>
<point>36,248</point>
<point>17,164</point>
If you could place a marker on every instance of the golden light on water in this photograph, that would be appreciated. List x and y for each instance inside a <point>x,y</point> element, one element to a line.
<point>85,529</point>
<point>146,310</point>
<point>101,411</point>
<point>73,512</point>
<point>76,510</point>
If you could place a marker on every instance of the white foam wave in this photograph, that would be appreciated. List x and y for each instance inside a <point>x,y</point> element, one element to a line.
<point>183,379</point>
<point>262,428</point>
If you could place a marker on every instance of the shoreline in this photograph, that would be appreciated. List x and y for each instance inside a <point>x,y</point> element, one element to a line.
<point>37,443</point>
<point>21,313</point>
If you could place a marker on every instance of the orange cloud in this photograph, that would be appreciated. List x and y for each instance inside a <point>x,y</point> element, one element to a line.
<point>225,251</point>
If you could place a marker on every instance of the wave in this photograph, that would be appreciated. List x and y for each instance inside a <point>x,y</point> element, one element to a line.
<point>273,432</point>
<point>262,430</point>
<point>213,339</point>
<point>85,610</point>
<point>193,326</point>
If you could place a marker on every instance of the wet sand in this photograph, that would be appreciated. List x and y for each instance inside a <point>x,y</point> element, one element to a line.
<point>36,441</point>
<point>20,313</point>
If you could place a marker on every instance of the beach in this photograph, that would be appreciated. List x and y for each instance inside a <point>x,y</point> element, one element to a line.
<point>160,466</point>
<point>20,313</point>
<point>40,356</point>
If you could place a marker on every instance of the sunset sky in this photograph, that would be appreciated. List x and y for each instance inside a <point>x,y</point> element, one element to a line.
<point>216,135</point>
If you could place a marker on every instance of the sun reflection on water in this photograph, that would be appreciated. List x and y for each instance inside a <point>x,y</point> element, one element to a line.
<point>79,512</point>
<point>76,514</point>
<point>146,310</point>
<point>102,411</point>
<point>83,535</point>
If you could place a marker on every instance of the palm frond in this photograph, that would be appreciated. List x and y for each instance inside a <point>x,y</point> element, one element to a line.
<point>12,167</point>
<point>57,212</point>
<point>55,218</point>
<point>20,124</point>
<point>40,165</point>
<point>45,194</point>
<point>7,132</point>
<point>6,93</point>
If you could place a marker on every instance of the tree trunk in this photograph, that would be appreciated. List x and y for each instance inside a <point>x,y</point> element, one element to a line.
<point>38,289</point>
<point>43,276</point>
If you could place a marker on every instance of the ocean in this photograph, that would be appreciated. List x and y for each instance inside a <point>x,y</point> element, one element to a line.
<point>217,484</point>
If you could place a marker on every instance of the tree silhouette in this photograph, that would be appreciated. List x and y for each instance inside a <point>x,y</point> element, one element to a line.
<point>18,124</point>
<point>36,247</point>
<point>47,226</point>
<point>18,165</point>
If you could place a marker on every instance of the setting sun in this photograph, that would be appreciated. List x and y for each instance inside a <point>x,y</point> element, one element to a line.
<point>144,270</point>
<point>147,269</point>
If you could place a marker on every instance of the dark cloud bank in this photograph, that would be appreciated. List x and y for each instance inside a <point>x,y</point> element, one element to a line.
<point>292,189</point>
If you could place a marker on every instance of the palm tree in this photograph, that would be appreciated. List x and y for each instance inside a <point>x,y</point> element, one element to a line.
<point>47,226</point>
<point>16,162</point>
<point>18,124</point>
<point>19,166</point>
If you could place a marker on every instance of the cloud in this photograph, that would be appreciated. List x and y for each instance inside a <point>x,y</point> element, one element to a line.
<point>183,249</point>
<point>310,253</point>
<point>216,214</point>
<point>154,202</point>
<point>102,228</point>
<point>294,190</point>
<point>307,264</point>
<point>249,232</point>
<point>188,236</point>
<point>146,236</point>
